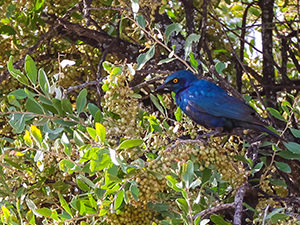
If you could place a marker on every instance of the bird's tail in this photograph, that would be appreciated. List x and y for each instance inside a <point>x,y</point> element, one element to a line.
<point>258,127</point>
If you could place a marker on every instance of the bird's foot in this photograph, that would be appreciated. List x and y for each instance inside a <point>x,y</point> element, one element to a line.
<point>217,131</point>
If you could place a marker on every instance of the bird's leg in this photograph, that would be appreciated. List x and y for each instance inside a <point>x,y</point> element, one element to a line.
<point>218,130</point>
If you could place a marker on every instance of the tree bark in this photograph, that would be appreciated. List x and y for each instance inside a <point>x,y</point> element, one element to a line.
<point>267,15</point>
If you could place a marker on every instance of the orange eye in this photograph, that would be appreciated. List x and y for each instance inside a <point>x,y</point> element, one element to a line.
<point>175,80</point>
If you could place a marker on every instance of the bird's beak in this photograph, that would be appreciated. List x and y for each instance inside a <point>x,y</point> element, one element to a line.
<point>163,88</point>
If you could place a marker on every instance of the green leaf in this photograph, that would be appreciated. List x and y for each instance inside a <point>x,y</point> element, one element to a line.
<point>175,27</point>
<point>116,70</point>
<point>288,155</point>
<point>86,180</point>
<point>66,165</point>
<point>7,30</point>
<point>276,114</point>
<point>17,121</point>
<point>278,182</point>
<point>171,181</point>
<point>220,67</point>
<point>16,73</point>
<point>66,106</point>
<point>78,138</point>
<point>43,82</point>
<point>67,145</point>
<point>100,131</point>
<point>33,106</point>
<point>284,167</point>
<point>30,69</point>
<point>108,66</point>
<point>130,143</point>
<point>19,94</point>
<point>38,4</point>
<point>178,114</point>
<point>44,212</point>
<point>237,8</point>
<point>189,42</point>
<point>275,211</point>
<point>207,173</point>
<point>279,217</point>
<point>82,185</point>
<point>193,61</point>
<point>81,101</point>
<point>119,199</point>
<point>188,173</point>
<point>182,204</point>
<point>156,103</point>
<point>141,21</point>
<point>92,133</point>
<point>167,60</point>
<point>254,11</point>
<point>93,109</point>
<point>36,134</point>
<point>218,220</point>
<point>257,167</point>
<point>13,101</point>
<point>64,204</point>
<point>295,132</point>
<point>292,147</point>
<point>134,190</point>
<point>5,212</point>
<point>103,212</point>
<point>57,104</point>
<point>145,57</point>
<point>220,50</point>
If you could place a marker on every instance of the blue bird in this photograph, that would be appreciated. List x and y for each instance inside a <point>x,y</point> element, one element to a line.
<point>209,105</point>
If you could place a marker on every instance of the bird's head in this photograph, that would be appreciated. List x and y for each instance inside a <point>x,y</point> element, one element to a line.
<point>177,81</point>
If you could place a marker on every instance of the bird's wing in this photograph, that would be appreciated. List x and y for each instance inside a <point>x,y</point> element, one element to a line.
<point>211,99</point>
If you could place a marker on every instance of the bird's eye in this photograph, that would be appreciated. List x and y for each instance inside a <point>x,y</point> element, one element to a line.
<point>175,80</point>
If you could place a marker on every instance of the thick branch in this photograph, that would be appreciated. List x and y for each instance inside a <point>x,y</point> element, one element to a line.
<point>267,46</point>
<point>98,39</point>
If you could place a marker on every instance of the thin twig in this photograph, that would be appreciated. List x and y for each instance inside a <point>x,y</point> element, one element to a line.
<point>265,214</point>
<point>163,45</point>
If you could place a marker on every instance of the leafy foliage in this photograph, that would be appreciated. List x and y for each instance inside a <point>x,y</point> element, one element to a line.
<point>111,155</point>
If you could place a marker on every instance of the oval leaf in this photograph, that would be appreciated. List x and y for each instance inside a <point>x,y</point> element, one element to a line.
<point>100,131</point>
<point>145,57</point>
<point>292,147</point>
<point>16,73</point>
<point>43,82</point>
<point>130,143</point>
<point>81,100</point>
<point>30,69</point>
<point>284,167</point>
<point>119,199</point>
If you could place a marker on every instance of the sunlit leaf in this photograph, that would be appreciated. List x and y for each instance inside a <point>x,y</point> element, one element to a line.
<point>100,131</point>
<point>130,143</point>
<point>36,134</point>
<point>16,73</point>
<point>119,199</point>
